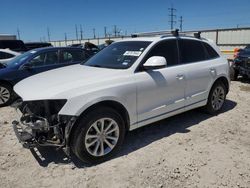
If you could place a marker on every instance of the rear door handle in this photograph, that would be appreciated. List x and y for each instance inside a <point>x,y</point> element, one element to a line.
<point>180,77</point>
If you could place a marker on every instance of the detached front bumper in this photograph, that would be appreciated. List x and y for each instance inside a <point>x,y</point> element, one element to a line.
<point>36,127</point>
<point>23,137</point>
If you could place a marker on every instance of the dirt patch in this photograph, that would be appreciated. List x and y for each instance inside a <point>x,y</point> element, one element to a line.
<point>189,150</point>
<point>245,88</point>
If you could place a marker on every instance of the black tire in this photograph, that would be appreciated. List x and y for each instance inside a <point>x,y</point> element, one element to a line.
<point>6,88</point>
<point>209,108</point>
<point>81,128</point>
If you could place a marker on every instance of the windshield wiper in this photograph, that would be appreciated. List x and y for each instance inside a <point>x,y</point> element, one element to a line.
<point>95,65</point>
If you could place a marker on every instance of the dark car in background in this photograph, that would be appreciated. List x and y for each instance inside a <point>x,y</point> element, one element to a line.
<point>34,62</point>
<point>14,45</point>
<point>34,45</point>
<point>241,63</point>
<point>90,47</point>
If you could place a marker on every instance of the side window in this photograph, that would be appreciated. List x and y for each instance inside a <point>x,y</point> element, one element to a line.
<point>211,53</point>
<point>73,56</point>
<point>4,55</point>
<point>43,59</point>
<point>167,49</point>
<point>191,51</point>
<point>7,55</point>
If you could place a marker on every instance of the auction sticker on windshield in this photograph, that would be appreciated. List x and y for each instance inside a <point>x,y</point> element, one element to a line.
<point>132,53</point>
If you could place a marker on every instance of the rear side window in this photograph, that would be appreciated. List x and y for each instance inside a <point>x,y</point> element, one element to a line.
<point>191,51</point>
<point>167,49</point>
<point>211,53</point>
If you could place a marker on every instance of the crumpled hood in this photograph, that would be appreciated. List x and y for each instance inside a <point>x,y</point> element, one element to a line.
<point>65,83</point>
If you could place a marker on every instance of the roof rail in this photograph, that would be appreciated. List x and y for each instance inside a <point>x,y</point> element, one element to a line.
<point>197,35</point>
<point>175,32</point>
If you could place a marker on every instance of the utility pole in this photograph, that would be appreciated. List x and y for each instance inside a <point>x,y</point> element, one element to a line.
<point>76,32</point>
<point>181,23</point>
<point>105,31</point>
<point>48,32</point>
<point>81,32</point>
<point>18,33</point>
<point>94,33</point>
<point>172,16</point>
<point>65,37</point>
<point>115,30</point>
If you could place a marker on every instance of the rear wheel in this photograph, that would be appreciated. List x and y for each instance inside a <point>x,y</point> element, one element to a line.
<point>5,94</point>
<point>216,98</point>
<point>98,135</point>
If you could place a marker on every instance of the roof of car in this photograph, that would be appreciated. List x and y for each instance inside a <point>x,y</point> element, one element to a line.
<point>54,48</point>
<point>159,38</point>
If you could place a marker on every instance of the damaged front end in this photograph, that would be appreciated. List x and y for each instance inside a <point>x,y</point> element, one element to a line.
<point>40,125</point>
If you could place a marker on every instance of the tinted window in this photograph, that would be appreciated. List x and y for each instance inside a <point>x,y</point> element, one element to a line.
<point>43,59</point>
<point>191,51</point>
<point>120,55</point>
<point>211,53</point>
<point>4,55</point>
<point>73,56</point>
<point>167,49</point>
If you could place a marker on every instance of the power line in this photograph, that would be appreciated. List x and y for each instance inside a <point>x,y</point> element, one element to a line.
<point>181,23</point>
<point>172,17</point>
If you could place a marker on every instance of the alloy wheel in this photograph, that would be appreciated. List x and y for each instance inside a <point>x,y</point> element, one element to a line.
<point>4,95</point>
<point>101,137</point>
<point>218,98</point>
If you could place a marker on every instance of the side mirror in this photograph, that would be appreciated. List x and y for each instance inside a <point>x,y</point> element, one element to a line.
<point>27,66</point>
<point>155,62</point>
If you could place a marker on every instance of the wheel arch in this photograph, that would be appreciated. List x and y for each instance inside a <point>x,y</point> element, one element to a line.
<point>224,80</point>
<point>117,106</point>
<point>6,82</point>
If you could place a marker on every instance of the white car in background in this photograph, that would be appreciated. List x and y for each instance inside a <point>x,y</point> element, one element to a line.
<point>88,108</point>
<point>6,55</point>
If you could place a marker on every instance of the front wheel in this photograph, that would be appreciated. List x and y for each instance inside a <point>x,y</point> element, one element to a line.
<point>98,135</point>
<point>216,98</point>
<point>5,95</point>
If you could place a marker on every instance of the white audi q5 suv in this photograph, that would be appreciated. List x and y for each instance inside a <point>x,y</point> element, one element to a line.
<point>88,108</point>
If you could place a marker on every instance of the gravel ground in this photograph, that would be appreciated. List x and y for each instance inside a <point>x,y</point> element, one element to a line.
<point>189,150</point>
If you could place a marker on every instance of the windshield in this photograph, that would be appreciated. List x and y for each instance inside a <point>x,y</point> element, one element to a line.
<point>19,59</point>
<point>119,55</point>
